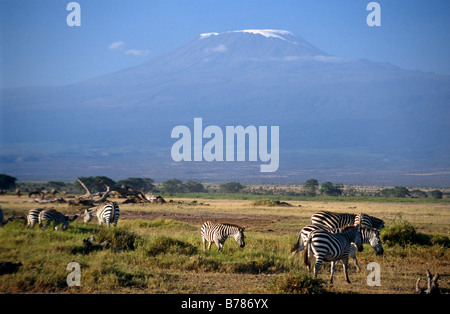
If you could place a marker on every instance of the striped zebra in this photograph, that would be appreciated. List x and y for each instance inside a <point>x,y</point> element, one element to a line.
<point>368,236</point>
<point>332,247</point>
<point>33,217</point>
<point>108,213</point>
<point>47,216</point>
<point>219,232</point>
<point>339,220</point>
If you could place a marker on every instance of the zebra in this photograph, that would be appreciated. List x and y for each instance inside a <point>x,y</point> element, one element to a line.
<point>108,213</point>
<point>368,236</point>
<point>33,217</point>
<point>219,232</point>
<point>338,220</point>
<point>327,246</point>
<point>51,215</point>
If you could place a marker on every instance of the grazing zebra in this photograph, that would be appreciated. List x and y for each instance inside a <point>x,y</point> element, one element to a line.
<point>327,246</point>
<point>108,213</point>
<point>368,236</point>
<point>48,216</point>
<point>338,220</point>
<point>33,217</point>
<point>219,232</point>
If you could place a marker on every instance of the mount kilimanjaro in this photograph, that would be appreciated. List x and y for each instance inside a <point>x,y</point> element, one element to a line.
<point>340,120</point>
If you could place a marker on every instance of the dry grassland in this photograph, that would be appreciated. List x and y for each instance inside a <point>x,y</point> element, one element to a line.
<point>270,233</point>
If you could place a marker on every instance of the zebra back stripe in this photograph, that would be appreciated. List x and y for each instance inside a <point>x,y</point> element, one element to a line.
<point>48,216</point>
<point>339,220</point>
<point>33,217</point>
<point>366,235</point>
<point>108,213</point>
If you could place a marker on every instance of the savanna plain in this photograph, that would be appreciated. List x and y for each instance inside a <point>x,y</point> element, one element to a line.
<point>157,248</point>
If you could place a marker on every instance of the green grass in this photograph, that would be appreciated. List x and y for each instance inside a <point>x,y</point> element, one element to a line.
<point>166,256</point>
<point>319,198</point>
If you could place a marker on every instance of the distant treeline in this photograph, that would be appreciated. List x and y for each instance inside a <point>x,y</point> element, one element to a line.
<point>311,188</point>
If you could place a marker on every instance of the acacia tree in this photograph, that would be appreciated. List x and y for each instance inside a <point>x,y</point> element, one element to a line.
<point>7,182</point>
<point>173,186</point>
<point>331,189</point>
<point>231,187</point>
<point>311,187</point>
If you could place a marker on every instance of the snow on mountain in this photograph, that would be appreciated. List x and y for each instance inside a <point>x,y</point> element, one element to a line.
<point>264,32</point>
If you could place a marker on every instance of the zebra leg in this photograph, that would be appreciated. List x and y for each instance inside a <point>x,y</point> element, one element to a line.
<point>204,244</point>
<point>353,256</point>
<point>317,267</point>
<point>333,267</point>
<point>44,226</point>
<point>219,245</point>
<point>345,265</point>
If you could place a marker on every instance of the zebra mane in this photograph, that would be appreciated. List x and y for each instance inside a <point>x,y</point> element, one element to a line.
<point>347,227</point>
<point>232,225</point>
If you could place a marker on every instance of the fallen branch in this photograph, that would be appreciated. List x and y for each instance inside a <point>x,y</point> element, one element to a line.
<point>432,285</point>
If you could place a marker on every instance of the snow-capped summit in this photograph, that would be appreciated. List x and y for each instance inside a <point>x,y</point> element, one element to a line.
<point>257,44</point>
<point>264,32</point>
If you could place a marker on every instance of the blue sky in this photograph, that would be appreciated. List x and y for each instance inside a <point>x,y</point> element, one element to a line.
<point>38,48</point>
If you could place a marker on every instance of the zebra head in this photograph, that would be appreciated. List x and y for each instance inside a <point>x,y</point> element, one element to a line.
<point>65,223</point>
<point>373,236</point>
<point>88,214</point>
<point>239,237</point>
<point>358,238</point>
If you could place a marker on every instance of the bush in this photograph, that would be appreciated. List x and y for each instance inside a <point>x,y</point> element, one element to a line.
<point>264,202</point>
<point>164,245</point>
<point>298,284</point>
<point>118,238</point>
<point>403,233</point>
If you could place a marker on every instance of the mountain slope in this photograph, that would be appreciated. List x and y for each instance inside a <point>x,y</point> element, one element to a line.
<point>335,115</point>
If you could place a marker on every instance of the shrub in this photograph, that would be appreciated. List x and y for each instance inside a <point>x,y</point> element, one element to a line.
<point>118,238</point>
<point>164,245</point>
<point>264,202</point>
<point>403,233</point>
<point>298,284</point>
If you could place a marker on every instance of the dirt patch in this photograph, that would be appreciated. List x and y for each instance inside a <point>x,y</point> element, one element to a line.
<point>247,221</point>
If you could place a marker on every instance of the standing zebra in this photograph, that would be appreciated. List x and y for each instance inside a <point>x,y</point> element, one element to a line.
<point>33,217</point>
<point>339,220</point>
<point>219,232</point>
<point>333,247</point>
<point>108,213</point>
<point>368,236</point>
<point>47,216</point>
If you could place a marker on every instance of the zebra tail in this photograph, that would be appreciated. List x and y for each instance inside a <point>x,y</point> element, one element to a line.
<point>306,254</point>
<point>296,245</point>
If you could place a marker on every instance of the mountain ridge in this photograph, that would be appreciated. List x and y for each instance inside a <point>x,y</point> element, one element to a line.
<point>333,113</point>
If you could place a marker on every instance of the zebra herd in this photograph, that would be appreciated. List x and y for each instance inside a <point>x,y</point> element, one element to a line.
<point>330,236</point>
<point>108,213</point>
<point>334,236</point>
